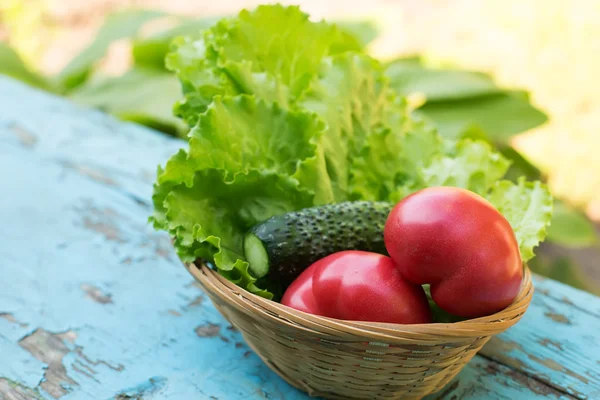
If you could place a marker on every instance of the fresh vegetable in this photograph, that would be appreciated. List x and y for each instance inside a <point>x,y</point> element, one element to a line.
<point>358,286</point>
<point>284,245</point>
<point>299,295</point>
<point>288,114</point>
<point>362,286</point>
<point>459,243</point>
<point>437,314</point>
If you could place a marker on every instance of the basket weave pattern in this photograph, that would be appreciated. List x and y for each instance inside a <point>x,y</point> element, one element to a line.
<point>356,360</point>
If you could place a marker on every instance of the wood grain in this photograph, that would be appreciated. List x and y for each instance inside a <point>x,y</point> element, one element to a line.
<point>95,304</point>
<point>558,343</point>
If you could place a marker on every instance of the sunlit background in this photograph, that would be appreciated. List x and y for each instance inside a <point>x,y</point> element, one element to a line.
<point>550,48</point>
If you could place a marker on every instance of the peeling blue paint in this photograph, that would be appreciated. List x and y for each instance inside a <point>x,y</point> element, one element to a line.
<point>145,390</point>
<point>557,341</point>
<point>18,365</point>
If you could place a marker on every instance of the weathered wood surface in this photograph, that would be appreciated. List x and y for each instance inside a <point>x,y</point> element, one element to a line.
<point>95,305</point>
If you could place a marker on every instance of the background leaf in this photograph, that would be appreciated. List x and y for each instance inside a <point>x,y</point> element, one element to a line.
<point>458,101</point>
<point>408,76</point>
<point>570,227</point>
<point>116,26</point>
<point>12,65</point>
<point>141,95</point>
<point>150,52</point>
<point>364,31</point>
<point>520,166</point>
<point>500,116</point>
<point>565,270</point>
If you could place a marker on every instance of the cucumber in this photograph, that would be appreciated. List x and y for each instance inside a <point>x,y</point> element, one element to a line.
<point>285,245</point>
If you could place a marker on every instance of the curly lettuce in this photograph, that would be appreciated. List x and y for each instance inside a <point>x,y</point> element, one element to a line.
<point>272,52</point>
<point>528,207</point>
<point>287,113</point>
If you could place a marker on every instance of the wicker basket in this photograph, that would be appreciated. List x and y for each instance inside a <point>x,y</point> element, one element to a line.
<point>355,360</point>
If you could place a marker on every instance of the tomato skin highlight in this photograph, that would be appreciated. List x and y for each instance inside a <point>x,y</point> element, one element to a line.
<point>459,243</point>
<point>299,295</point>
<point>363,286</point>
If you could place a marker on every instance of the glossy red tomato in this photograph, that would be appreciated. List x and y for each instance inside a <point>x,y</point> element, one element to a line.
<point>459,243</point>
<point>363,286</point>
<point>299,295</point>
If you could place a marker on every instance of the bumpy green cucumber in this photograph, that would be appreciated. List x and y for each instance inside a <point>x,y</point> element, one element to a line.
<point>284,246</point>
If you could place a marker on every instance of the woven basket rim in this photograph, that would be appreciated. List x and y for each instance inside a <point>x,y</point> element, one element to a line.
<point>234,296</point>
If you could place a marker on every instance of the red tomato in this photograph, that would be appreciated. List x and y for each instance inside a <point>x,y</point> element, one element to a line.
<point>459,243</point>
<point>363,286</point>
<point>299,294</point>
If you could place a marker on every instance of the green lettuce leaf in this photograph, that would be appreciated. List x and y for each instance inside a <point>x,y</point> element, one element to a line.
<point>396,164</point>
<point>236,134</point>
<point>528,208</point>
<point>200,80</point>
<point>352,96</point>
<point>286,114</point>
<point>210,218</point>
<point>176,172</point>
<point>236,173</point>
<point>390,165</point>
<point>471,165</point>
<point>279,40</point>
<point>272,52</point>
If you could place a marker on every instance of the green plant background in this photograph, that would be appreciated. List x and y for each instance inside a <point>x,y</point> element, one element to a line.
<point>461,103</point>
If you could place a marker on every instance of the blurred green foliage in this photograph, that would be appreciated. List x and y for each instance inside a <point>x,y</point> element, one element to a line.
<point>117,26</point>
<point>144,95</point>
<point>12,64</point>
<point>565,270</point>
<point>22,19</point>
<point>458,100</point>
<point>460,103</point>
<point>151,51</point>
<point>571,228</point>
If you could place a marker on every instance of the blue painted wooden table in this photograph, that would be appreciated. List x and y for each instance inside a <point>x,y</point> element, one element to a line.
<point>95,305</point>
